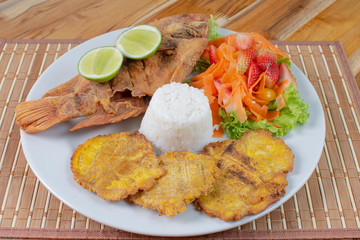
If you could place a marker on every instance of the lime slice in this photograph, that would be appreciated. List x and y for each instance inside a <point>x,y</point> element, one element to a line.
<point>139,42</point>
<point>100,64</point>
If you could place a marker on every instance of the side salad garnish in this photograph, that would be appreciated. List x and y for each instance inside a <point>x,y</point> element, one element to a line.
<point>249,84</point>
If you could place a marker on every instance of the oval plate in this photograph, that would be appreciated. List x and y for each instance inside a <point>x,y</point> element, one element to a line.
<point>49,153</point>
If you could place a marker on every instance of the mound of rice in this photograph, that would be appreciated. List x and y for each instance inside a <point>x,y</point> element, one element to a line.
<point>178,118</point>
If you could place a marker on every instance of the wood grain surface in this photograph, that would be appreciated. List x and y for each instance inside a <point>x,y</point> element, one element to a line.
<point>294,20</point>
<point>306,20</point>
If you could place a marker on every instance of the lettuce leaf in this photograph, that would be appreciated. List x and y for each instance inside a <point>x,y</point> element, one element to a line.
<point>213,29</point>
<point>295,112</point>
<point>284,60</point>
<point>201,65</point>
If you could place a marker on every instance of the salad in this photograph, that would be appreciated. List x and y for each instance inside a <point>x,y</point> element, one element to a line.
<point>249,84</point>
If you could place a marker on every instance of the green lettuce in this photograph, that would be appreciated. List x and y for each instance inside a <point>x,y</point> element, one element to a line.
<point>284,60</point>
<point>295,112</point>
<point>202,64</point>
<point>213,29</point>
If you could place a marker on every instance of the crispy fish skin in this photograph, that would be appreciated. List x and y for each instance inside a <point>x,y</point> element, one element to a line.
<point>184,38</point>
<point>252,175</point>
<point>76,98</point>
<point>116,165</point>
<point>188,176</point>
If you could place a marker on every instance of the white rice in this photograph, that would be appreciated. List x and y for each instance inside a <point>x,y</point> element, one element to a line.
<point>178,118</point>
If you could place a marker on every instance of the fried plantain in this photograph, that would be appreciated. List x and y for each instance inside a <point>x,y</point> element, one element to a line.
<point>116,165</point>
<point>188,176</point>
<point>252,175</point>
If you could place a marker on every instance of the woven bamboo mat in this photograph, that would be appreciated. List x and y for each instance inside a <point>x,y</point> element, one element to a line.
<point>328,206</point>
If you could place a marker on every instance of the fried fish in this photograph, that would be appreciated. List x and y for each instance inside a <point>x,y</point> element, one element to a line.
<point>116,165</point>
<point>184,38</point>
<point>252,175</point>
<point>76,98</point>
<point>187,177</point>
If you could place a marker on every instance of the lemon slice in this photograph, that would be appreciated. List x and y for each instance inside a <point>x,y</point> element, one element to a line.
<point>100,64</point>
<point>139,42</point>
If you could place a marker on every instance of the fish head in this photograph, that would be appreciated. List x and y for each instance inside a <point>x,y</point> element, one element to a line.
<point>185,26</point>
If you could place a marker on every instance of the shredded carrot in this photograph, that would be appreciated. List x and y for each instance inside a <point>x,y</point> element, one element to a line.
<point>231,39</point>
<point>280,101</point>
<point>278,126</point>
<point>253,117</point>
<point>228,76</point>
<point>226,51</point>
<point>283,85</point>
<point>211,98</point>
<point>224,92</point>
<point>260,80</point>
<point>259,111</point>
<point>220,68</point>
<point>217,42</point>
<point>214,106</point>
<point>206,54</point>
<point>218,133</point>
<point>238,103</point>
<point>260,84</point>
<point>242,79</point>
<point>206,83</point>
<point>271,115</point>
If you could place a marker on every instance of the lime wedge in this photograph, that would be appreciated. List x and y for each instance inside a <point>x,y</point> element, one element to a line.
<point>139,42</point>
<point>100,64</point>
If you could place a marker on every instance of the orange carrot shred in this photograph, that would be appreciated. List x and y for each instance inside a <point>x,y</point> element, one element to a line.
<point>271,115</point>
<point>278,126</point>
<point>218,133</point>
<point>222,91</point>
<point>219,70</point>
<point>260,80</point>
<point>259,111</point>
<point>280,101</point>
<point>217,42</point>
<point>239,108</point>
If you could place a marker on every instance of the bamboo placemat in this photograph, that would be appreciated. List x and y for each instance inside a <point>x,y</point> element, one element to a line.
<point>328,206</point>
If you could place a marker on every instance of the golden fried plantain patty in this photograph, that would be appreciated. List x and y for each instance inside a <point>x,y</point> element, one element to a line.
<point>252,175</point>
<point>188,176</point>
<point>116,165</point>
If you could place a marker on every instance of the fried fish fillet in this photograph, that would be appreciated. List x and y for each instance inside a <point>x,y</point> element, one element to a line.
<point>184,38</point>
<point>187,177</point>
<point>252,175</point>
<point>116,165</point>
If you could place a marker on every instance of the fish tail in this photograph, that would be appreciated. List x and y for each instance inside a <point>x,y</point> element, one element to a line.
<point>65,88</point>
<point>38,115</point>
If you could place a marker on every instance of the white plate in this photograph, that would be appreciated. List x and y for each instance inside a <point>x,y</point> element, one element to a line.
<point>49,152</point>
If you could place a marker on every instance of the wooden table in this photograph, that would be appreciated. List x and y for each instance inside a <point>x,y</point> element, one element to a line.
<point>320,20</point>
<point>292,20</point>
